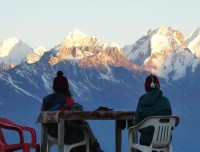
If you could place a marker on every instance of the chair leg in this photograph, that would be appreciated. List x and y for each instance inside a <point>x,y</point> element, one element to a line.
<point>170,149</point>
<point>37,149</point>
<point>48,147</point>
<point>26,148</point>
<point>87,143</point>
<point>166,150</point>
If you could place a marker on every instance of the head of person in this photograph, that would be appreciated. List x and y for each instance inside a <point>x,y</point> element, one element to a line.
<point>60,83</point>
<point>151,83</point>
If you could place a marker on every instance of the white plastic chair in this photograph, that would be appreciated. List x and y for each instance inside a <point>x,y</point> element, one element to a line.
<point>163,126</point>
<point>51,141</point>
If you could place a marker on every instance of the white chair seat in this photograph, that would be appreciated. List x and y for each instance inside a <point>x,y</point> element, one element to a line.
<point>51,141</point>
<point>163,126</point>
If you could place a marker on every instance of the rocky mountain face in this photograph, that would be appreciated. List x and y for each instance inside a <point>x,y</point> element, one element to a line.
<point>35,56</point>
<point>90,51</point>
<point>14,52</point>
<point>163,52</point>
<point>100,74</point>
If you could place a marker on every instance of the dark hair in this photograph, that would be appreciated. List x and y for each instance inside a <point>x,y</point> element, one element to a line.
<point>67,92</point>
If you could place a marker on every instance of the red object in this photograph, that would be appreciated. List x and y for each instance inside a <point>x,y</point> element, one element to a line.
<point>70,101</point>
<point>6,124</point>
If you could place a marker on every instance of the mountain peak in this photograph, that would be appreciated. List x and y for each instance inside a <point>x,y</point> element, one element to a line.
<point>193,42</point>
<point>192,36</point>
<point>40,50</point>
<point>13,51</point>
<point>76,34</point>
<point>7,45</point>
<point>162,51</point>
<point>164,29</point>
<point>76,31</point>
<point>89,51</point>
<point>169,53</point>
<point>77,38</point>
<point>35,56</point>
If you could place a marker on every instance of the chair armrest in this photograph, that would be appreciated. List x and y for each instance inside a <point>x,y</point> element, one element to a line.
<point>14,128</point>
<point>134,132</point>
<point>86,129</point>
<point>31,131</point>
<point>22,128</point>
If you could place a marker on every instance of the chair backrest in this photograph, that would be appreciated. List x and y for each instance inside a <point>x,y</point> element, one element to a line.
<point>29,129</point>
<point>7,124</point>
<point>2,139</point>
<point>26,146</point>
<point>163,126</point>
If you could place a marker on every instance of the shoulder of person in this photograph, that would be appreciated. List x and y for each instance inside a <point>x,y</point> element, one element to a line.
<point>76,106</point>
<point>47,97</point>
<point>52,96</point>
<point>141,97</point>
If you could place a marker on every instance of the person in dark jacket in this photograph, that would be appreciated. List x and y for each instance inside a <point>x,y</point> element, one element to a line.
<point>152,103</point>
<point>61,99</point>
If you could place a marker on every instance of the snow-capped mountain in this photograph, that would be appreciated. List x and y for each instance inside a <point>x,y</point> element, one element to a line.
<point>163,52</point>
<point>193,42</point>
<point>89,51</point>
<point>100,75</point>
<point>12,52</point>
<point>35,55</point>
<point>114,87</point>
<point>76,38</point>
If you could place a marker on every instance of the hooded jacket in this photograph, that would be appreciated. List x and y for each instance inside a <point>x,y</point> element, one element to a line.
<point>56,101</point>
<point>151,103</point>
<point>59,101</point>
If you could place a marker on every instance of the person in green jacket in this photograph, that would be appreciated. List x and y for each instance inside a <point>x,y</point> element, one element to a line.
<point>152,103</point>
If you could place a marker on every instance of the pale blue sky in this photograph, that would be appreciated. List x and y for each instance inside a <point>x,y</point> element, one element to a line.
<point>47,22</point>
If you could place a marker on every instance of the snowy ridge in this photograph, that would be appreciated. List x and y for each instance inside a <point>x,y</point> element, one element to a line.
<point>137,52</point>
<point>77,38</point>
<point>90,51</point>
<point>19,89</point>
<point>156,52</point>
<point>40,51</point>
<point>192,36</point>
<point>193,41</point>
<point>13,51</point>
<point>112,45</point>
<point>35,55</point>
<point>162,51</point>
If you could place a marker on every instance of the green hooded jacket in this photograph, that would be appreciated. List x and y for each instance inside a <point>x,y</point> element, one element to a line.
<point>151,103</point>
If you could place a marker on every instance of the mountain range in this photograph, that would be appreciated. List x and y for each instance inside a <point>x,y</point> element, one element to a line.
<point>102,74</point>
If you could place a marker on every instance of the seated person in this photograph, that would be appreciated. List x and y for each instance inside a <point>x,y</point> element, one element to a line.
<point>61,99</point>
<point>152,103</point>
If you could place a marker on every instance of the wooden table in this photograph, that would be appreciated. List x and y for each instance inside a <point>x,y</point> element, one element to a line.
<point>60,116</point>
